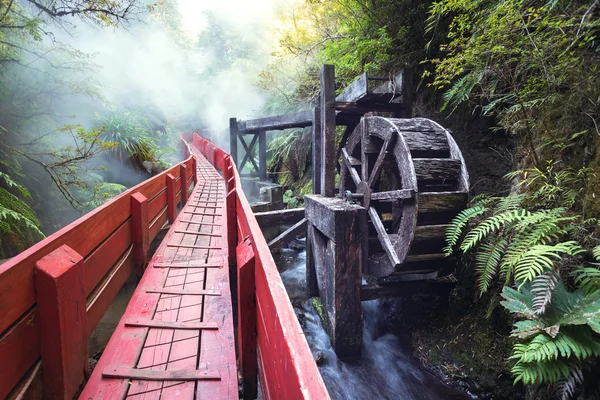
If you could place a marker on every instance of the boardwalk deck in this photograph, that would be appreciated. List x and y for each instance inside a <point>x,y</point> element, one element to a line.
<point>176,337</point>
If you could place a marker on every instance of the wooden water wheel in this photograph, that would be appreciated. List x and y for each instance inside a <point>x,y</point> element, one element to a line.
<point>411,177</point>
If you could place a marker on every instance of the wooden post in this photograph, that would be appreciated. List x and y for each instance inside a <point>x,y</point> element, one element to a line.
<point>233,139</point>
<point>312,285</point>
<point>327,105</point>
<point>316,150</point>
<point>246,318</point>
<point>184,184</point>
<point>262,155</point>
<point>171,198</point>
<point>61,313</point>
<point>195,170</point>
<point>140,230</point>
<point>338,251</point>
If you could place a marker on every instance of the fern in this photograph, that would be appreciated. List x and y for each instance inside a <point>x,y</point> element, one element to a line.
<point>489,225</point>
<point>540,258</point>
<point>541,289</point>
<point>567,386</point>
<point>487,262</point>
<point>455,228</point>
<point>596,253</point>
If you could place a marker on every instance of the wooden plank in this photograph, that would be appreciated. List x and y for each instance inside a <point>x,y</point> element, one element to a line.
<point>179,265</point>
<point>355,91</point>
<point>426,143</point>
<point>156,205</point>
<point>197,233</point>
<point>184,184</point>
<point>154,375</point>
<point>298,120</point>
<point>286,237</point>
<point>437,169</point>
<point>316,150</point>
<point>21,345</point>
<point>393,195</point>
<point>188,221</point>
<point>194,246</point>
<point>328,161</point>
<point>103,295</point>
<point>157,224</point>
<point>151,323</point>
<point>190,292</point>
<point>279,217</point>
<point>441,201</point>
<point>61,313</point>
<point>98,263</point>
<point>429,232</point>
<point>202,213</point>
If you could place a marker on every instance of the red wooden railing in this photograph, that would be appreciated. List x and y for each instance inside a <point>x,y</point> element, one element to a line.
<point>267,324</point>
<point>43,291</point>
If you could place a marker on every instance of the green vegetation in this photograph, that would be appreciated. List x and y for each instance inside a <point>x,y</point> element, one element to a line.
<point>530,70</point>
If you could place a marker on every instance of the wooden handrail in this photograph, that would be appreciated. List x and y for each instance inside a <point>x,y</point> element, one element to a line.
<point>111,246</point>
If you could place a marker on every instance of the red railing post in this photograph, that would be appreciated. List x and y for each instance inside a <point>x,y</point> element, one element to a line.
<point>61,313</point>
<point>140,230</point>
<point>184,183</point>
<point>194,171</point>
<point>246,319</point>
<point>171,198</point>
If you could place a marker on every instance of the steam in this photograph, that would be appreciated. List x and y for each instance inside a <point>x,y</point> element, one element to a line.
<point>183,70</point>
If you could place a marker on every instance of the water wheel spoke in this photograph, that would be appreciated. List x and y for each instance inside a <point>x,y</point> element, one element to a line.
<point>393,195</point>
<point>347,160</point>
<point>379,162</point>
<point>386,243</point>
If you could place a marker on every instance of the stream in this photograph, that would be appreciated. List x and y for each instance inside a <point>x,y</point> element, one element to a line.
<point>386,370</point>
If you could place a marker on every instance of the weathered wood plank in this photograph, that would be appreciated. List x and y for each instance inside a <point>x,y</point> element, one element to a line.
<point>298,120</point>
<point>316,150</point>
<point>327,107</point>
<point>279,217</point>
<point>441,201</point>
<point>355,91</point>
<point>154,375</point>
<point>437,169</point>
<point>286,237</point>
<point>429,232</point>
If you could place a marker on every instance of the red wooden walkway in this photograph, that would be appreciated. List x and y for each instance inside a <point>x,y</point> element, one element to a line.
<point>176,338</point>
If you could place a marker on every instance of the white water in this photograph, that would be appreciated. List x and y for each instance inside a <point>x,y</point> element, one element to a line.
<point>385,370</point>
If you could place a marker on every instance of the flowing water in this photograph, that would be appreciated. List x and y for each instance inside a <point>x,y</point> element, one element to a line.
<point>385,371</point>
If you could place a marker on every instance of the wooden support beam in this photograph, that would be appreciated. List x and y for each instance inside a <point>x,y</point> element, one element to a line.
<point>246,318</point>
<point>338,252</point>
<point>61,314</point>
<point>290,234</point>
<point>171,199</point>
<point>140,230</point>
<point>195,170</point>
<point>316,150</point>
<point>327,106</point>
<point>279,122</point>
<point>262,155</point>
<point>279,217</point>
<point>233,139</point>
<point>184,184</point>
<point>248,155</point>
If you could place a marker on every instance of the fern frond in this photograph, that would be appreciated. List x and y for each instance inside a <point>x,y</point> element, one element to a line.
<point>11,220</point>
<point>548,372</point>
<point>540,258</point>
<point>509,203</point>
<point>596,253</point>
<point>455,228</point>
<point>487,261</point>
<point>489,225</point>
<point>9,182</point>
<point>541,289</point>
<point>587,278</point>
<point>566,387</point>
